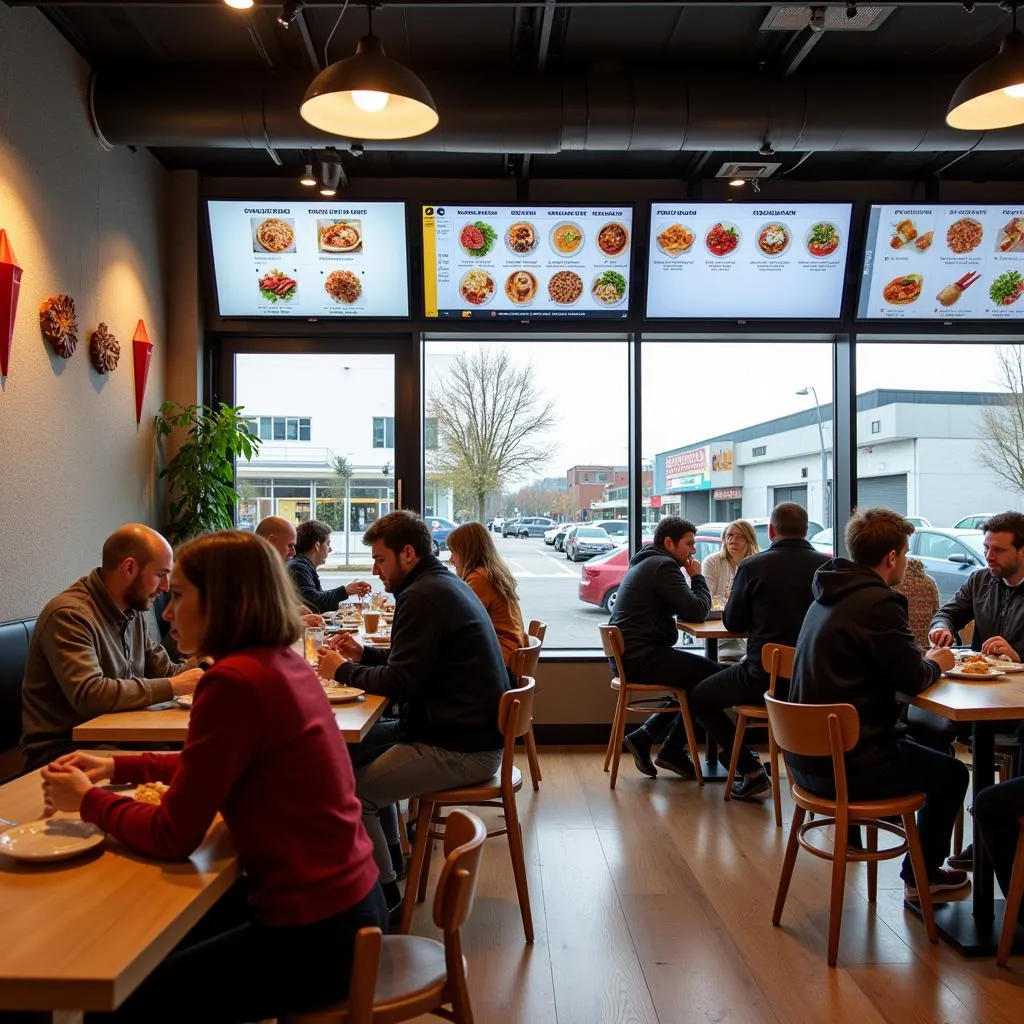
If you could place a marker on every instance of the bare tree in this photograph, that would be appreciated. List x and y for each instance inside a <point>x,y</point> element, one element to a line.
<point>1003,425</point>
<point>489,414</point>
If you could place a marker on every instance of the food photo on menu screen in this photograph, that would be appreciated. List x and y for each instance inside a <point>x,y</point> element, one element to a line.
<point>727,260</point>
<point>504,262</point>
<point>943,263</point>
<point>309,259</point>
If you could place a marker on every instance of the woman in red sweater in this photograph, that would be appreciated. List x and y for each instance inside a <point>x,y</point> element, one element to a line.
<point>265,751</point>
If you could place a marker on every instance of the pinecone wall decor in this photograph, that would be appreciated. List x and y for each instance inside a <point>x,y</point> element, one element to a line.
<point>59,324</point>
<point>104,349</point>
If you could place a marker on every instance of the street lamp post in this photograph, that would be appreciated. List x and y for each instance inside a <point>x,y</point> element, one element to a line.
<point>809,390</point>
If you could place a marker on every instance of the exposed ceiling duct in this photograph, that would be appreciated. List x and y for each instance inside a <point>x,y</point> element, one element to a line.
<point>509,113</point>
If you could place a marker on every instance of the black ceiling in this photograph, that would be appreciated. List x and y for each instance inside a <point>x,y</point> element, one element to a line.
<point>560,36</point>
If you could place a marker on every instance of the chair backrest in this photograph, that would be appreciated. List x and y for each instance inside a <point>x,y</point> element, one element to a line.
<point>538,629</point>
<point>464,835</point>
<point>515,711</point>
<point>777,661</point>
<point>524,660</point>
<point>613,645</point>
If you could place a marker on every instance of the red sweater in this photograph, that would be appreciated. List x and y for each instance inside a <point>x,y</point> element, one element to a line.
<point>264,750</point>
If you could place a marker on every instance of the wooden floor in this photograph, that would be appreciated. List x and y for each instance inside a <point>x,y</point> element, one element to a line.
<point>653,903</point>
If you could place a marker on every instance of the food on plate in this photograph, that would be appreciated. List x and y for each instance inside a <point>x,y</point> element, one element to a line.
<point>276,286</point>
<point>675,239</point>
<point>722,240</point>
<point>565,287</point>
<point>906,231</point>
<point>342,236</point>
<point>924,241</point>
<point>612,239</point>
<point>521,238</point>
<point>477,287</point>
<point>902,290</point>
<point>275,235</point>
<point>343,286</point>
<point>964,235</point>
<point>566,238</point>
<point>1007,288</point>
<point>952,292</point>
<point>151,792</point>
<point>609,288</point>
<point>773,239</point>
<point>520,287</point>
<point>477,238</point>
<point>975,666</point>
<point>823,239</point>
<point>1011,236</point>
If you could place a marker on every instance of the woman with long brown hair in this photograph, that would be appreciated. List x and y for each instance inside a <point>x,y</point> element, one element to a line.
<point>475,559</point>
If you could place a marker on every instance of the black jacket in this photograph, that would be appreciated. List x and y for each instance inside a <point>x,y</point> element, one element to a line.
<point>652,595</point>
<point>856,648</point>
<point>769,597</point>
<point>307,582</point>
<point>997,610</point>
<point>445,666</point>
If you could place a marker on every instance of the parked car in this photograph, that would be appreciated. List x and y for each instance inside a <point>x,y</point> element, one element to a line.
<point>439,530</point>
<point>949,556</point>
<point>508,527</point>
<point>975,521</point>
<point>760,525</point>
<point>496,523</point>
<point>533,526</point>
<point>822,541</point>
<point>583,541</point>
<point>563,529</point>
<point>549,533</point>
<point>918,521</point>
<point>617,529</point>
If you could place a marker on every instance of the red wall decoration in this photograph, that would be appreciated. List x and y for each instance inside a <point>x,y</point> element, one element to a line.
<point>10,286</point>
<point>142,349</point>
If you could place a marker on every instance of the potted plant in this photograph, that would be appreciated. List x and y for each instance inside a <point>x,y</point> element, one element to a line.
<point>201,477</point>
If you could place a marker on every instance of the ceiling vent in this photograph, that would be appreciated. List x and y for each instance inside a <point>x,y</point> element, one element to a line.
<point>748,171</point>
<point>791,18</point>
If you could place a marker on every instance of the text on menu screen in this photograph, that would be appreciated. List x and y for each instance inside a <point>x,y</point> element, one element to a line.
<point>310,259</point>
<point>943,263</point>
<point>727,260</point>
<point>518,262</point>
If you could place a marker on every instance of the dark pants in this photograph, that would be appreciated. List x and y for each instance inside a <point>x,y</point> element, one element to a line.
<point>668,666</point>
<point>912,769</point>
<point>231,969</point>
<point>737,684</point>
<point>995,820</point>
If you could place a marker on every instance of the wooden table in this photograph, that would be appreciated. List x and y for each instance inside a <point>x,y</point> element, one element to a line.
<point>82,934</point>
<point>169,724</point>
<point>710,632</point>
<point>974,931</point>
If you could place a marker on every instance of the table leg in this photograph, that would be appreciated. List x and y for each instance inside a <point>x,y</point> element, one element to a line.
<point>713,771</point>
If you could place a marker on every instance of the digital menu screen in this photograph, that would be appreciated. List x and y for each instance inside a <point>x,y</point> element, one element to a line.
<point>943,263</point>
<point>503,262</point>
<point>310,259</point>
<point>739,261</point>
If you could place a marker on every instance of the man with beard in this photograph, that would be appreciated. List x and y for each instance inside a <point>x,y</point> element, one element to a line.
<point>91,652</point>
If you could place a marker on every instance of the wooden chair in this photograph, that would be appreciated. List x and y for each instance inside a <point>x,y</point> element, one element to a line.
<point>777,660</point>
<point>830,730</point>
<point>1013,897</point>
<point>524,663</point>
<point>614,645</point>
<point>399,977</point>
<point>514,714</point>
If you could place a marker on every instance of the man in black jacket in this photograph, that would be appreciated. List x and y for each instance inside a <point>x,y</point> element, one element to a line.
<point>856,648</point>
<point>769,596</point>
<point>444,668</point>
<point>651,597</point>
<point>312,546</point>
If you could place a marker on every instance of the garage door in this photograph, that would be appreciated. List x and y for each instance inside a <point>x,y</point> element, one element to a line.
<point>794,494</point>
<point>697,506</point>
<point>884,492</point>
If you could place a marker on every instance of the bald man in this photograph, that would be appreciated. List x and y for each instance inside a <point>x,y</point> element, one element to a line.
<point>280,535</point>
<point>91,652</point>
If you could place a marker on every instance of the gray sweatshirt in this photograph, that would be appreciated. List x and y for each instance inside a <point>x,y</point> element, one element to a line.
<point>86,658</point>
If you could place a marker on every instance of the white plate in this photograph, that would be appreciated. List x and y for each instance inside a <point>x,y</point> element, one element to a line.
<point>51,839</point>
<point>955,673</point>
<point>773,223</point>
<point>343,694</point>
<point>1006,667</point>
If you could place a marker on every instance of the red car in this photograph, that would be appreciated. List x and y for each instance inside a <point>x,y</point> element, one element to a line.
<point>599,583</point>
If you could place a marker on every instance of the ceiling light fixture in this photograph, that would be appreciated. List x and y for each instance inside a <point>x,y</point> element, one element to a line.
<point>738,182</point>
<point>992,95</point>
<point>330,172</point>
<point>289,12</point>
<point>369,96</point>
<point>239,5</point>
<point>307,179</point>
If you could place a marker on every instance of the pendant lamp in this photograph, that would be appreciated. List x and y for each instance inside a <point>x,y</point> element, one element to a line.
<point>992,95</point>
<point>369,96</point>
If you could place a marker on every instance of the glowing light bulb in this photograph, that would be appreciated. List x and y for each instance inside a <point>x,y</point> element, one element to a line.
<point>239,5</point>
<point>1015,92</point>
<point>371,102</point>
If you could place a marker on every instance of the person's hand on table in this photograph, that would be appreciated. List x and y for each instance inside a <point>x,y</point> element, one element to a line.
<point>95,766</point>
<point>64,787</point>
<point>942,656</point>
<point>186,682</point>
<point>940,637</point>
<point>348,645</point>
<point>328,662</point>
<point>313,621</point>
<point>997,646</point>
<point>358,587</point>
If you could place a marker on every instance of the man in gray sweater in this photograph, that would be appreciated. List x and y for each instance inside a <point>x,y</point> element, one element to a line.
<point>91,652</point>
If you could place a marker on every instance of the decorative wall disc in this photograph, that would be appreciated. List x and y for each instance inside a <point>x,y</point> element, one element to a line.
<point>59,323</point>
<point>104,349</point>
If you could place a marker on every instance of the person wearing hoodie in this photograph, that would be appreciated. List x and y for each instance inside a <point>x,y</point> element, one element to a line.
<point>856,647</point>
<point>652,596</point>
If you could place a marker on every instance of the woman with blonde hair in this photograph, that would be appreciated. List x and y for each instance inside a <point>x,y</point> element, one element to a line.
<point>738,542</point>
<point>475,559</point>
<point>264,751</point>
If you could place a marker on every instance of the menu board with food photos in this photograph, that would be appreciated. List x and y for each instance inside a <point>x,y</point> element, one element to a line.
<point>309,259</point>
<point>943,263</point>
<point>526,262</point>
<point>741,261</point>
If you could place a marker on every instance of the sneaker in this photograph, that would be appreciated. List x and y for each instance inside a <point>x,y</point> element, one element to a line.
<point>752,786</point>
<point>945,880</point>
<point>679,763</point>
<point>964,860</point>
<point>641,752</point>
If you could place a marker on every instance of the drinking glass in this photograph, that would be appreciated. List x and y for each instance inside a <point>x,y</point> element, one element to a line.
<point>312,641</point>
